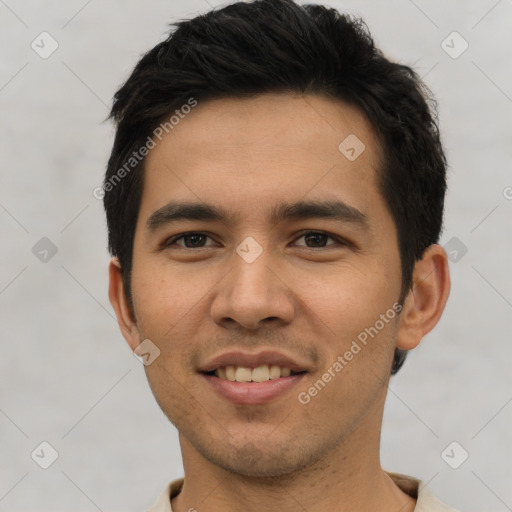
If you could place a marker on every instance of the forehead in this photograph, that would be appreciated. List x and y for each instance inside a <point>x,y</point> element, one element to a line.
<point>247,153</point>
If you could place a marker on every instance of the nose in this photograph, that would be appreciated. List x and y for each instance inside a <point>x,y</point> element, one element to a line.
<point>253,294</point>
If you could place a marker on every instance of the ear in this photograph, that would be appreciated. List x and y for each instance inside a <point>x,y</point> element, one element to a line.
<point>119,301</point>
<point>426,300</point>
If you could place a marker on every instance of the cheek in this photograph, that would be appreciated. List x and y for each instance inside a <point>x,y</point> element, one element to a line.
<point>347,299</point>
<point>356,316</point>
<point>162,298</point>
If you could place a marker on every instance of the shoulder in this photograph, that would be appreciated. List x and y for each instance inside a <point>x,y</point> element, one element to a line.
<point>426,501</point>
<point>163,503</point>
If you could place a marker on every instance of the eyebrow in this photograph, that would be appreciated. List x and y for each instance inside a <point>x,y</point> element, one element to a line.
<point>337,210</point>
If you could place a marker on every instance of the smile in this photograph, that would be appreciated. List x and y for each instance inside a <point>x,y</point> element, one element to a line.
<point>252,392</point>
<point>259,374</point>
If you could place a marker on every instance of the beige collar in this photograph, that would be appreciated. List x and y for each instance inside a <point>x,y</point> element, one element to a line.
<point>426,501</point>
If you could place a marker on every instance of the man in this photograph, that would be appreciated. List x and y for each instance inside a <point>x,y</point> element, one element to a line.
<point>274,197</point>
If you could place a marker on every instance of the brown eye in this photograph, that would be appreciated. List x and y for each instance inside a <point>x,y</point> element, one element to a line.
<point>318,239</point>
<point>192,240</point>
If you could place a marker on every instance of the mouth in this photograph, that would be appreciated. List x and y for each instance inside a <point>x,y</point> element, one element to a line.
<point>261,373</point>
<point>245,378</point>
<point>246,386</point>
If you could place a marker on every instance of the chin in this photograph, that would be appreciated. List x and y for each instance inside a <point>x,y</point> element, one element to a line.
<point>257,459</point>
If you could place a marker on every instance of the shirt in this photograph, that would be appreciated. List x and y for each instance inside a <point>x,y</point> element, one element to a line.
<point>426,501</point>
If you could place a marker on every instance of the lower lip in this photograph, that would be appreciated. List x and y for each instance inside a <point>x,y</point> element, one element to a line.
<point>253,393</point>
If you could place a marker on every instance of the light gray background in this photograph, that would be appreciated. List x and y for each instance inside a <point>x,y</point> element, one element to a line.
<point>67,376</point>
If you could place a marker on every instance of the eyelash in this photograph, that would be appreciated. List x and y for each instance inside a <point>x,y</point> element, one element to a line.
<point>174,239</point>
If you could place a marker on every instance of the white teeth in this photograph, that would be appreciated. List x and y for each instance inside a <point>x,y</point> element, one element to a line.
<point>275,371</point>
<point>245,374</point>
<point>260,374</point>
<point>230,373</point>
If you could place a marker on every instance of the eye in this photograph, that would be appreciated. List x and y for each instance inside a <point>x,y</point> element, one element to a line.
<point>197,240</point>
<point>318,239</point>
<point>192,240</point>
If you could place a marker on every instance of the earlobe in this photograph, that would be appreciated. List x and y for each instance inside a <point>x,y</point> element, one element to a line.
<point>426,300</point>
<point>119,301</point>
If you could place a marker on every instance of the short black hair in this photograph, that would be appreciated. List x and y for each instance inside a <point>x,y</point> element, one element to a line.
<point>245,49</point>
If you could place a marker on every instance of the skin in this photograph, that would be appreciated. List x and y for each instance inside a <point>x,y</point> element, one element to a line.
<point>307,297</point>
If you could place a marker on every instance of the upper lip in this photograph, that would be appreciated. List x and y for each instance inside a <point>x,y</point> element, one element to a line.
<point>249,360</point>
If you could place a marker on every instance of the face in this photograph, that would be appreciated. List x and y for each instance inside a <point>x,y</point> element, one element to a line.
<point>303,283</point>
